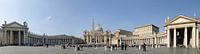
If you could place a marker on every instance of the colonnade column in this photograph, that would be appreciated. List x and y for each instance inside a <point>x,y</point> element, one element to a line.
<point>185,37</point>
<point>5,37</point>
<point>19,36</point>
<point>11,37</point>
<point>168,37</point>
<point>8,37</point>
<point>174,37</point>
<point>193,37</point>
<point>197,39</point>
<point>24,37</point>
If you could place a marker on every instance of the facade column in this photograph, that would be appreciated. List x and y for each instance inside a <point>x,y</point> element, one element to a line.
<point>87,39</point>
<point>100,38</point>
<point>155,41</point>
<point>19,36</point>
<point>110,40</point>
<point>96,39</point>
<point>130,41</point>
<point>168,37</point>
<point>193,37</point>
<point>90,39</point>
<point>148,41</point>
<point>197,39</point>
<point>174,37</point>
<point>185,37</point>
<point>160,42</point>
<point>11,37</point>
<point>161,39</point>
<point>105,39</point>
<point>99,41</point>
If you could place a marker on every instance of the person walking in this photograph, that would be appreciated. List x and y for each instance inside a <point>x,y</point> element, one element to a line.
<point>144,47</point>
<point>47,45</point>
<point>63,46</point>
<point>122,46</point>
<point>125,46</point>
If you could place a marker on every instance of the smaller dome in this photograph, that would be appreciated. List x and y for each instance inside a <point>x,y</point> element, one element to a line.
<point>85,32</point>
<point>98,28</point>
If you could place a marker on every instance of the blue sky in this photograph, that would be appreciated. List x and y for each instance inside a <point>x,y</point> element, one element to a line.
<point>74,16</point>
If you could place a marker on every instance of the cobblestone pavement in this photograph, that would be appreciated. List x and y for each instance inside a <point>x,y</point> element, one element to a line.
<point>58,50</point>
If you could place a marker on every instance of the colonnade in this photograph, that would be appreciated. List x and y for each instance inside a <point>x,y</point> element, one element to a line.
<point>194,41</point>
<point>14,37</point>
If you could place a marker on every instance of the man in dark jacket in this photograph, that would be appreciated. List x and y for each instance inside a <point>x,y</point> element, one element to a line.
<point>144,47</point>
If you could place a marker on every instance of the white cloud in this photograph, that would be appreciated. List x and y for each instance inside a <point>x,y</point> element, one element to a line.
<point>49,18</point>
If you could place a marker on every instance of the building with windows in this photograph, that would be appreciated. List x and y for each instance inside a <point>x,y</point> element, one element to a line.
<point>148,34</point>
<point>143,34</point>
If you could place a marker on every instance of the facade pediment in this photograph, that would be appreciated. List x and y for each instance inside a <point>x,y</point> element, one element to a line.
<point>182,19</point>
<point>14,24</point>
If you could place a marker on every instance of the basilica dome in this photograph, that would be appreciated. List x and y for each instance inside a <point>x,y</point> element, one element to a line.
<point>98,28</point>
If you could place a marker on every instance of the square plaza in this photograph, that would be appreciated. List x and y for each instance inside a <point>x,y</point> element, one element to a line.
<point>99,27</point>
<point>100,50</point>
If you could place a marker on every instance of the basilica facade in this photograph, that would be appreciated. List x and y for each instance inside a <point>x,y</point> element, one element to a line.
<point>97,35</point>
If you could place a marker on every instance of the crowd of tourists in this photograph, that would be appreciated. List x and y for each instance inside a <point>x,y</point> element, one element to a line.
<point>79,47</point>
